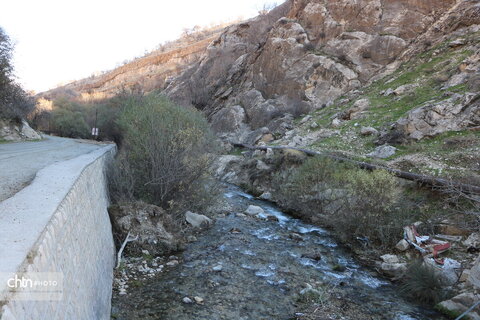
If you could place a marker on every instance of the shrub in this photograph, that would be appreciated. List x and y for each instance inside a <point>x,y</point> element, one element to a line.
<point>69,124</point>
<point>421,284</point>
<point>165,150</point>
<point>367,210</point>
<point>357,203</point>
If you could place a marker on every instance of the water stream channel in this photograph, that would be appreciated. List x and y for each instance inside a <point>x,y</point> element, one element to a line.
<point>247,268</point>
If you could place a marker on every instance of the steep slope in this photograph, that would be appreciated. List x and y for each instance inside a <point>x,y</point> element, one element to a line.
<point>305,54</point>
<point>147,73</point>
<point>403,70</point>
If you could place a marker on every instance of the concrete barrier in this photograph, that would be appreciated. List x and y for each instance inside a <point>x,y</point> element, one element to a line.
<point>59,225</point>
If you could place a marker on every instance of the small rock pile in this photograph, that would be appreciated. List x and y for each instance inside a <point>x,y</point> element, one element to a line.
<point>134,270</point>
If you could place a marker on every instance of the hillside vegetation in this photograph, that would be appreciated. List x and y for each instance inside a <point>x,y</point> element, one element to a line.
<point>15,103</point>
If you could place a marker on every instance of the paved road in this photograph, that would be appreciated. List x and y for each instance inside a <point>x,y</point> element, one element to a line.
<point>19,162</point>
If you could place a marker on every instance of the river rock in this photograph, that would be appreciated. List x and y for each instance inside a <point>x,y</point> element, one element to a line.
<point>198,300</point>
<point>197,220</point>
<point>254,210</point>
<point>390,258</point>
<point>172,263</point>
<point>217,268</point>
<point>461,303</point>
<point>392,267</point>
<point>382,152</point>
<point>266,196</point>
<point>402,245</point>
<point>187,300</point>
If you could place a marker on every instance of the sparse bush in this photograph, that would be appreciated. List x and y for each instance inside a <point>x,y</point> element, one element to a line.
<point>357,203</point>
<point>165,150</point>
<point>367,210</point>
<point>421,284</point>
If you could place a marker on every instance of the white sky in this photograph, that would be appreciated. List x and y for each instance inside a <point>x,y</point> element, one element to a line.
<point>63,40</point>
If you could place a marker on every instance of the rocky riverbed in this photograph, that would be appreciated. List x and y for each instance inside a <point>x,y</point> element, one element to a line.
<point>261,266</point>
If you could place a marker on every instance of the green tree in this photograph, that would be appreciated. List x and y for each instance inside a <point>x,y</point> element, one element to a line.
<point>15,103</point>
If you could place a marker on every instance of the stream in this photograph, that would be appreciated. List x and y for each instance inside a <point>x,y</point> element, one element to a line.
<point>245,268</point>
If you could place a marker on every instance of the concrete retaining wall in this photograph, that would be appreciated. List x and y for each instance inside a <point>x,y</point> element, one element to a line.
<point>60,224</point>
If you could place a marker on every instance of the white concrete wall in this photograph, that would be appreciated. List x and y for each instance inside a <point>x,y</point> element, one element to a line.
<point>60,223</point>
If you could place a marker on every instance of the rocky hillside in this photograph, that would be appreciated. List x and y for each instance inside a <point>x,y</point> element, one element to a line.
<point>305,54</point>
<point>366,74</point>
<point>147,73</point>
<point>376,73</point>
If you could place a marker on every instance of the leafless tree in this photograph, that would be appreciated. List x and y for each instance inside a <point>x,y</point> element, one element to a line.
<point>266,8</point>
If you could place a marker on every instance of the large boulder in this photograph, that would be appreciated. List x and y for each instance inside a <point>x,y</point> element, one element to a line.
<point>392,266</point>
<point>225,168</point>
<point>454,114</point>
<point>382,152</point>
<point>11,131</point>
<point>229,119</point>
<point>254,210</point>
<point>197,220</point>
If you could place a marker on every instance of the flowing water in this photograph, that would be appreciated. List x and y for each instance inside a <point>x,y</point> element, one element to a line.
<point>263,269</point>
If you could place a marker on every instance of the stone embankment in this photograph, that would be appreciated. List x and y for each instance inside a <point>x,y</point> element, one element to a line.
<point>59,226</point>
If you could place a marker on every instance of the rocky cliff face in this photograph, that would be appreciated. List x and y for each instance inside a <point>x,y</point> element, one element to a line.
<point>305,54</point>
